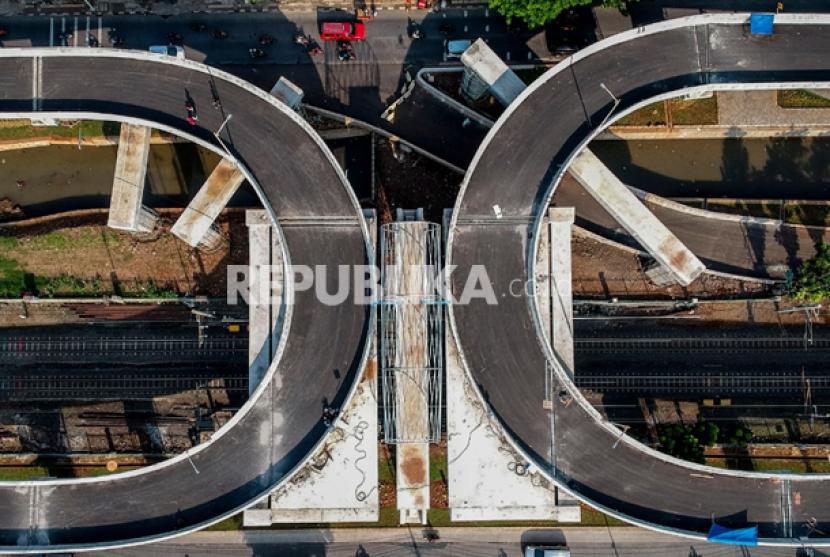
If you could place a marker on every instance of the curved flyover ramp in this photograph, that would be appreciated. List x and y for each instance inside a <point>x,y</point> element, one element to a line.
<point>322,346</point>
<point>517,167</point>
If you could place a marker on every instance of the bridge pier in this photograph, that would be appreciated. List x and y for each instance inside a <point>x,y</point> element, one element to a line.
<point>484,65</point>
<point>678,263</point>
<point>265,301</point>
<point>195,225</point>
<point>126,211</point>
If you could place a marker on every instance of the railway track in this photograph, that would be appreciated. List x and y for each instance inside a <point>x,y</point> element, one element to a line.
<point>706,383</point>
<point>700,344</point>
<point>177,349</point>
<point>18,387</point>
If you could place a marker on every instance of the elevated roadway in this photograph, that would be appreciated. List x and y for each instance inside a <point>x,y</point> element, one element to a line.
<point>517,168</point>
<point>322,346</point>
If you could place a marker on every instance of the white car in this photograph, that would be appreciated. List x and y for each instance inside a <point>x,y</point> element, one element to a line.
<point>453,49</point>
<point>171,50</point>
<point>547,551</point>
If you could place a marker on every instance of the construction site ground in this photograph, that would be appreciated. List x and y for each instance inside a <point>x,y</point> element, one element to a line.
<point>77,255</point>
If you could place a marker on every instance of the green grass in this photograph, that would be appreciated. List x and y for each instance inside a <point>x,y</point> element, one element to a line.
<point>437,468</point>
<point>88,128</point>
<point>227,525</point>
<point>20,473</point>
<point>800,98</point>
<point>792,465</point>
<point>12,278</point>
<point>695,112</point>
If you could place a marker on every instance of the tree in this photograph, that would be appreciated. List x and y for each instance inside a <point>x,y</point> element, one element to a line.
<point>536,13</point>
<point>812,280</point>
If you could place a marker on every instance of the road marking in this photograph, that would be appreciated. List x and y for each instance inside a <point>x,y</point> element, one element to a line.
<point>465,13</point>
<point>486,12</point>
<point>100,30</point>
<point>530,56</point>
<point>34,82</point>
<point>465,28</point>
<point>51,31</point>
<point>507,56</point>
<point>487,28</point>
<point>75,33</point>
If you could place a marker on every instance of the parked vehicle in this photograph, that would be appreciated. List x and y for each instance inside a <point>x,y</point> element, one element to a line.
<point>343,31</point>
<point>454,48</point>
<point>547,551</point>
<point>169,50</point>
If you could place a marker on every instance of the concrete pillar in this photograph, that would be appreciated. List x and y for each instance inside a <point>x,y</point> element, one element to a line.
<point>561,307</point>
<point>195,225</point>
<point>504,84</point>
<point>288,93</point>
<point>263,300</point>
<point>636,218</point>
<point>126,211</point>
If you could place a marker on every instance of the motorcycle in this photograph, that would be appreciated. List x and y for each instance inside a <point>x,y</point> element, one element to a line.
<point>266,40</point>
<point>192,117</point>
<point>257,53</point>
<point>115,39</point>
<point>220,34</point>
<point>301,39</point>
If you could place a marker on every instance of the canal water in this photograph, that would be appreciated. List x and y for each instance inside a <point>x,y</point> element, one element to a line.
<point>777,168</point>
<point>45,180</point>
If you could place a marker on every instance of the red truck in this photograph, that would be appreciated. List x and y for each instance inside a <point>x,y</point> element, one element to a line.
<point>343,31</point>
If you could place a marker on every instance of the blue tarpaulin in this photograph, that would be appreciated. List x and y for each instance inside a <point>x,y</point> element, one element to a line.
<point>761,24</point>
<point>733,536</point>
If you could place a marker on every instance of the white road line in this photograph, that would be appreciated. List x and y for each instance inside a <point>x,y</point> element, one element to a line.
<point>487,28</point>
<point>465,13</point>
<point>35,60</point>
<point>465,28</point>
<point>51,31</point>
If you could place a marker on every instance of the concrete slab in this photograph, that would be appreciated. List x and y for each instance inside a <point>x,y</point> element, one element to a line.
<point>504,84</point>
<point>488,480</point>
<point>126,211</point>
<point>265,304</point>
<point>562,339</point>
<point>405,277</point>
<point>196,222</point>
<point>636,218</point>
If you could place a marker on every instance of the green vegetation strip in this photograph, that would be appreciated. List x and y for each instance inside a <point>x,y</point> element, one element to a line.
<point>801,98</point>
<point>695,112</point>
<point>85,128</point>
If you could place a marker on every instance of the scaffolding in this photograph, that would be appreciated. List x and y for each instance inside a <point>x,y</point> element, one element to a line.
<point>411,339</point>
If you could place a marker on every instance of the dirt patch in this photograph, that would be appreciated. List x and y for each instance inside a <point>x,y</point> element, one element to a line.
<point>10,210</point>
<point>413,466</point>
<point>80,256</point>
<point>407,180</point>
<point>601,270</point>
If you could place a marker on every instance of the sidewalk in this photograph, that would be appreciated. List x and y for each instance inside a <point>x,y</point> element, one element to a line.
<point>179,7</point>
<point>741,114</point>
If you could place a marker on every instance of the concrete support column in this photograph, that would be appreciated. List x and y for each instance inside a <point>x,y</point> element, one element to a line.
<point>561,307</point>
<point>195,225</point>
<point>126,211</point>
<point>636,218</point>
<point>264,295</point>
<point>504,84</point>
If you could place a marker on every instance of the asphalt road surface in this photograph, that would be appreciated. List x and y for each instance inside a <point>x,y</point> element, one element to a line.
<point>499,342</point>
<point>452,542</point>
<point>324,344</point>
